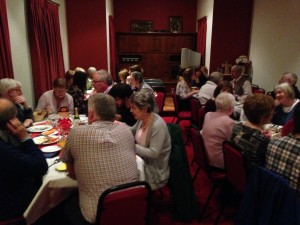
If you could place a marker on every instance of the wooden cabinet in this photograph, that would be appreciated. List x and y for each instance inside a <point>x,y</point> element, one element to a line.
<point>158,52</point>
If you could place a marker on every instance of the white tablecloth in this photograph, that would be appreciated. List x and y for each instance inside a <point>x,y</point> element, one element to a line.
<point>56,187</point>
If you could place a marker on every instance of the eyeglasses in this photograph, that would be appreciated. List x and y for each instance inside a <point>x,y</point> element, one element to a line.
<point>97,81</point>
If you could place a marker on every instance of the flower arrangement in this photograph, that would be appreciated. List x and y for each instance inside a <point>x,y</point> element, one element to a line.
<point>242,60</point>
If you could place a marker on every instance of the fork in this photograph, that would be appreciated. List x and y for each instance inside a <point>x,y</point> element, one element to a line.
<point>55,161</point>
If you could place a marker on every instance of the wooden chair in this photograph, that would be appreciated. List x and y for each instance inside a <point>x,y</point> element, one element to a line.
<point>180,115</point>
<point>235,172</point>
<point>160,101</point>
<point>216,175</point>
<point>195,105</point>
<point>125,204</point>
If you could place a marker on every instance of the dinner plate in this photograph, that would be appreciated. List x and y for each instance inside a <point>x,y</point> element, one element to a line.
<point>49,149</point>
<point>45,140</point>
<point>50,132</point>
<point>39,128</point>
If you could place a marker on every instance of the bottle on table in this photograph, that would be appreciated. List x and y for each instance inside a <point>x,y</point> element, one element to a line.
<point>76,120</point>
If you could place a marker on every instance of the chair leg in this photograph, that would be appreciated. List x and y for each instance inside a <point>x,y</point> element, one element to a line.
<point>207,202</point>
<point>196,174</point>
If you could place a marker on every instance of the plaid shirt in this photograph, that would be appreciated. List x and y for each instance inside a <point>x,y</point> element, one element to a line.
<point>103,155</point>
<point>283,157</point>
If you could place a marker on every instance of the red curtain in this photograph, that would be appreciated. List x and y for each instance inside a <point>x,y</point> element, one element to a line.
<point>201,39</point>
<point>6,68</point>
<point>45,44</point>
<point>113,49</point>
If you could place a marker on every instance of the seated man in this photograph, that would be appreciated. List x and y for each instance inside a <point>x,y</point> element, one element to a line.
<point>283,154</point>
<point>241,85</point>
<point>102,82</point>
<point>11,89</point>
<point>22,164</point>
<point>56,100</point>
<point>206,92</point>
<point>99,156</point>
<point>121,92</point>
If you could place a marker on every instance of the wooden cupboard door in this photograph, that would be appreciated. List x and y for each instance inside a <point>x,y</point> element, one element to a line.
<point>155,65</point>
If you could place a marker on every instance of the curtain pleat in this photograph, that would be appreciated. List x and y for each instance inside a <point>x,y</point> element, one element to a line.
<point>201,38</point>
<point>6,67</point>
<point>45,44</point>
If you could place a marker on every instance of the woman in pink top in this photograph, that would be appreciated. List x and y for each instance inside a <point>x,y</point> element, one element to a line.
<point>217,128</point>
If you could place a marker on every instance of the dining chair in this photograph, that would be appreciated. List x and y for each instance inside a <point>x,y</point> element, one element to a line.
<point>180,114</point>
<point>15,221</point>
<point>235,173</point>
<point>125,204</point>
<point>195,105</point>
<point>160,101</point>
<point>216,175</point>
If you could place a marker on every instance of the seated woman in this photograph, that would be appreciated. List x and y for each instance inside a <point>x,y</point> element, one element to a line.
<point>217,128</point>
<point>286,98</point>
<point>77,90</point>
<point>224,86</point>
<point>200,76</point>
<point>123,74</point>
<point>153,142</point>
<point>249,136</point>
<point>183,89</point>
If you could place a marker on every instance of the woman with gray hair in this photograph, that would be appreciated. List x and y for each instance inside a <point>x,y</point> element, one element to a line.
<point>153,142</point>
<point>285,96</point>
<point>217,128</point>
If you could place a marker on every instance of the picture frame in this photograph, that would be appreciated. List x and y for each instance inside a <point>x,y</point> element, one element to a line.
<point>141,25</point>
<point>175,24</point>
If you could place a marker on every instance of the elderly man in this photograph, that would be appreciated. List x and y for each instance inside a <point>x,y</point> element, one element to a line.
<point>11,90</point>
<point>22,164</point>
<point>207,90</point>
<point>102,82</point>
<point>56,100</point>
<point>241,85</point>
<point>96,155</point>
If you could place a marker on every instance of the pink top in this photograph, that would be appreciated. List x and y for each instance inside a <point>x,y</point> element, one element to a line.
<point>217,128</point>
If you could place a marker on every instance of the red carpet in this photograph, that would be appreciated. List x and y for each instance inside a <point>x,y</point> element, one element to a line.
<point>202,187</point>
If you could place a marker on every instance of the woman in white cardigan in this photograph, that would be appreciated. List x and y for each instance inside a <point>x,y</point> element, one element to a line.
<point>153,142</point>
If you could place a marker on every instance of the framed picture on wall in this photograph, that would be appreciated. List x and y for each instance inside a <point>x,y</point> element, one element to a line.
<point>175,23</point>
<point>141,25</point>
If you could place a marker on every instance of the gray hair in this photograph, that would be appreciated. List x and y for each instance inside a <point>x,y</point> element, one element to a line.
<point>91,70</point>
<point>237,68</point>
<point>104,76</point>
<point>292,77</point>
<point>7,113</point>
<point>287,89</point>
<point>104,106</point>
<point>143,99</point>
<point>225,102</point>
<point>6,84</point>
<point>215,77</point>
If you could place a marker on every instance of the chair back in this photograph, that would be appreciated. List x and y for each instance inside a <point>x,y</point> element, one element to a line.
<point>160,101</point>
<point>201,114</point>
<point>125,204</point>
<point>199,151</point>
<point>175,101</point>
<point>234,165</point>
<point>195,105</point>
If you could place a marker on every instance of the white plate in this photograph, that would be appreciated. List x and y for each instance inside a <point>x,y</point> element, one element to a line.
<point>39,128</point>
<point>45,140</point>
<point>49,149</point>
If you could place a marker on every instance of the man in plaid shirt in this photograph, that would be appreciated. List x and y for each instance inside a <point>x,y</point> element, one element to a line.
<point>283,154</point>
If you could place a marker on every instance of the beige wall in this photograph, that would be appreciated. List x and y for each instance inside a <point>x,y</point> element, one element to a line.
<point>275,40</point>
<point>205,8</point>
<point>20,45</point>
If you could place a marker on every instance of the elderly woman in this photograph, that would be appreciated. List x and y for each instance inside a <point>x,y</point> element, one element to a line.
<point>217,128</point>
<point>152,137</point>
<point>249,136</point>
<point>285,96</point>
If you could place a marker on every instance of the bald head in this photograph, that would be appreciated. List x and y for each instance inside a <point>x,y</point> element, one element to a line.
<point>7,111</point>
